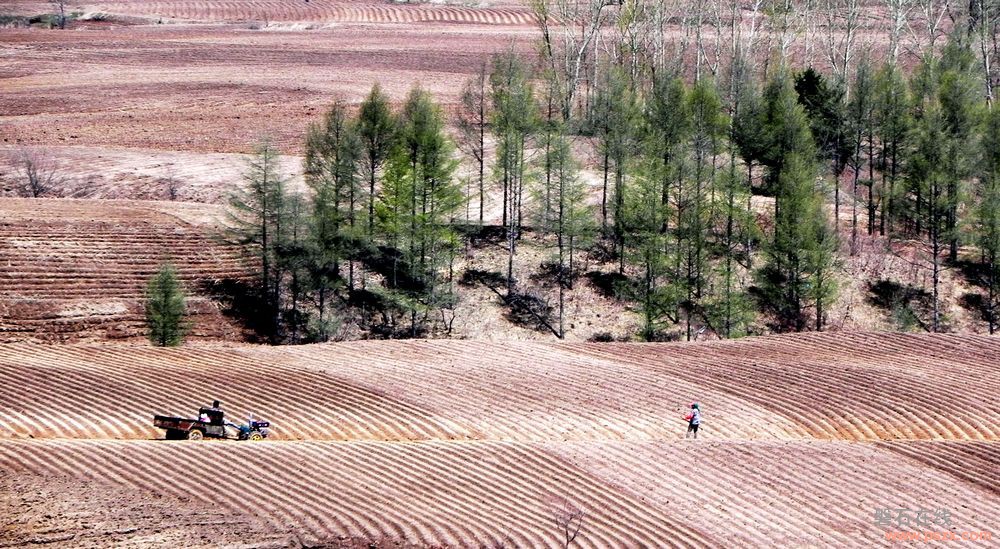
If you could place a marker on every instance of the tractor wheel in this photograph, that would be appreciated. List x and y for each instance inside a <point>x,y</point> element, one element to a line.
<point>174,434</point>
<point>195,434</point>
<point>255,436</point>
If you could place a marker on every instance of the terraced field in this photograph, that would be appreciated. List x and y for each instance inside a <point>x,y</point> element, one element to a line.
<point>339,11</point>
<point>314,11</point>
<point>457,443</point>
<point>77,270</point>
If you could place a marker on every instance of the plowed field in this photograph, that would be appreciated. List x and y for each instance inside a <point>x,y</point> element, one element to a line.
<point>77,269</point>
<point>456,443</point>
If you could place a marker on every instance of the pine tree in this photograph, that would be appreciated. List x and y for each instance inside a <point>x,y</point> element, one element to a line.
<point>799,268</point>
<point>800,259</point>
<point>165,308</point>
<point>784,129</point>
<point>824,105</point>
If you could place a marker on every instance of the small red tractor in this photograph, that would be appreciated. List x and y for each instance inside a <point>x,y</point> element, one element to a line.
<point>211,423</point>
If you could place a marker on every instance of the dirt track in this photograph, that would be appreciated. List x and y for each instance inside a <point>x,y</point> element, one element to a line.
<point>464,443</point>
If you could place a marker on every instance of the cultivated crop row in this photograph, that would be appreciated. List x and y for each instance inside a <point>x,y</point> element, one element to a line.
<point>322,11</point>
<point>113,392</point>
<point>433,390</point>
<point>73,270</point>
<point>846,386</point>
<point>796,493</point>
<point>425,493</point>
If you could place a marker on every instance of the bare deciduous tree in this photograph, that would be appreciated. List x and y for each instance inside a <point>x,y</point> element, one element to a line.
<point>842,23</point>
<point>171,183</point>
<point>984,19</point>
<point>568,30</point>
<point>783,23</point>
<point>472,122</point>
<point>899,25</point>
<point>569,519</point>
<point>61,6</point>
<point>36,171</point>
<point>933,12</point>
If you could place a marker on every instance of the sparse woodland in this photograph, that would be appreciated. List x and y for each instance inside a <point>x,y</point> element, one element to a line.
<point>744,152</point>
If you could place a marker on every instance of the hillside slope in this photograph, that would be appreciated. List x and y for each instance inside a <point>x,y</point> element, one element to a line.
<point>458,443</point>
<point>73,270</point>
<point>863,387</point>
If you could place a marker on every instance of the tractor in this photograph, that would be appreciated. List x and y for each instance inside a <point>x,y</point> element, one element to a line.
<point>211,423</point>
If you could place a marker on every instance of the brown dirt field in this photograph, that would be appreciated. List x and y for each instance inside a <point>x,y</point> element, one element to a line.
<point>77,269</point>
<point>799,494</point>
<point>861,387</point>
<point>219,88</point>
<point>846,386</point>
<point>143,174</point>
<point>450,443</point>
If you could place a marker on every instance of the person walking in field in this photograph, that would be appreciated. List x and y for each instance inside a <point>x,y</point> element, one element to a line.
<point>693,418</point>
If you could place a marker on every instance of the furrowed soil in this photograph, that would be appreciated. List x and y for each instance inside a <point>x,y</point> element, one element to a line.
<point>466,444</point>
<point>400,444</point>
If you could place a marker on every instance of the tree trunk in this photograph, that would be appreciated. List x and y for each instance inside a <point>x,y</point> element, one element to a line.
<point>604,196</point>
<point>871,184</point>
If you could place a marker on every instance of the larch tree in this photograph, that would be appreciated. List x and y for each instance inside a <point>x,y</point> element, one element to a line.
<point>377,130</point>
<point>695,199</point>
<point>961,99</point>
<point>667,125</point>
<point>617,115</point>
<point>892,123</point>
<point>649,250</point>
<point>333,153</point>
<point>988,217</point>
<point>515,116</point>
<point>861,112</point>
<point>472,121</point>
<point>563,211</point>
<point>418,207</point>
<point>256,214</point>
<point>333,233</point>
<point>928,206</point>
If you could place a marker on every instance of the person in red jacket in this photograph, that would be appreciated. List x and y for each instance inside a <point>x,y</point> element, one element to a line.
<point>694,420</point>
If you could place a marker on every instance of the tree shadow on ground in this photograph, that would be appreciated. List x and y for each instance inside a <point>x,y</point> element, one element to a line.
<point>906,304</point>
